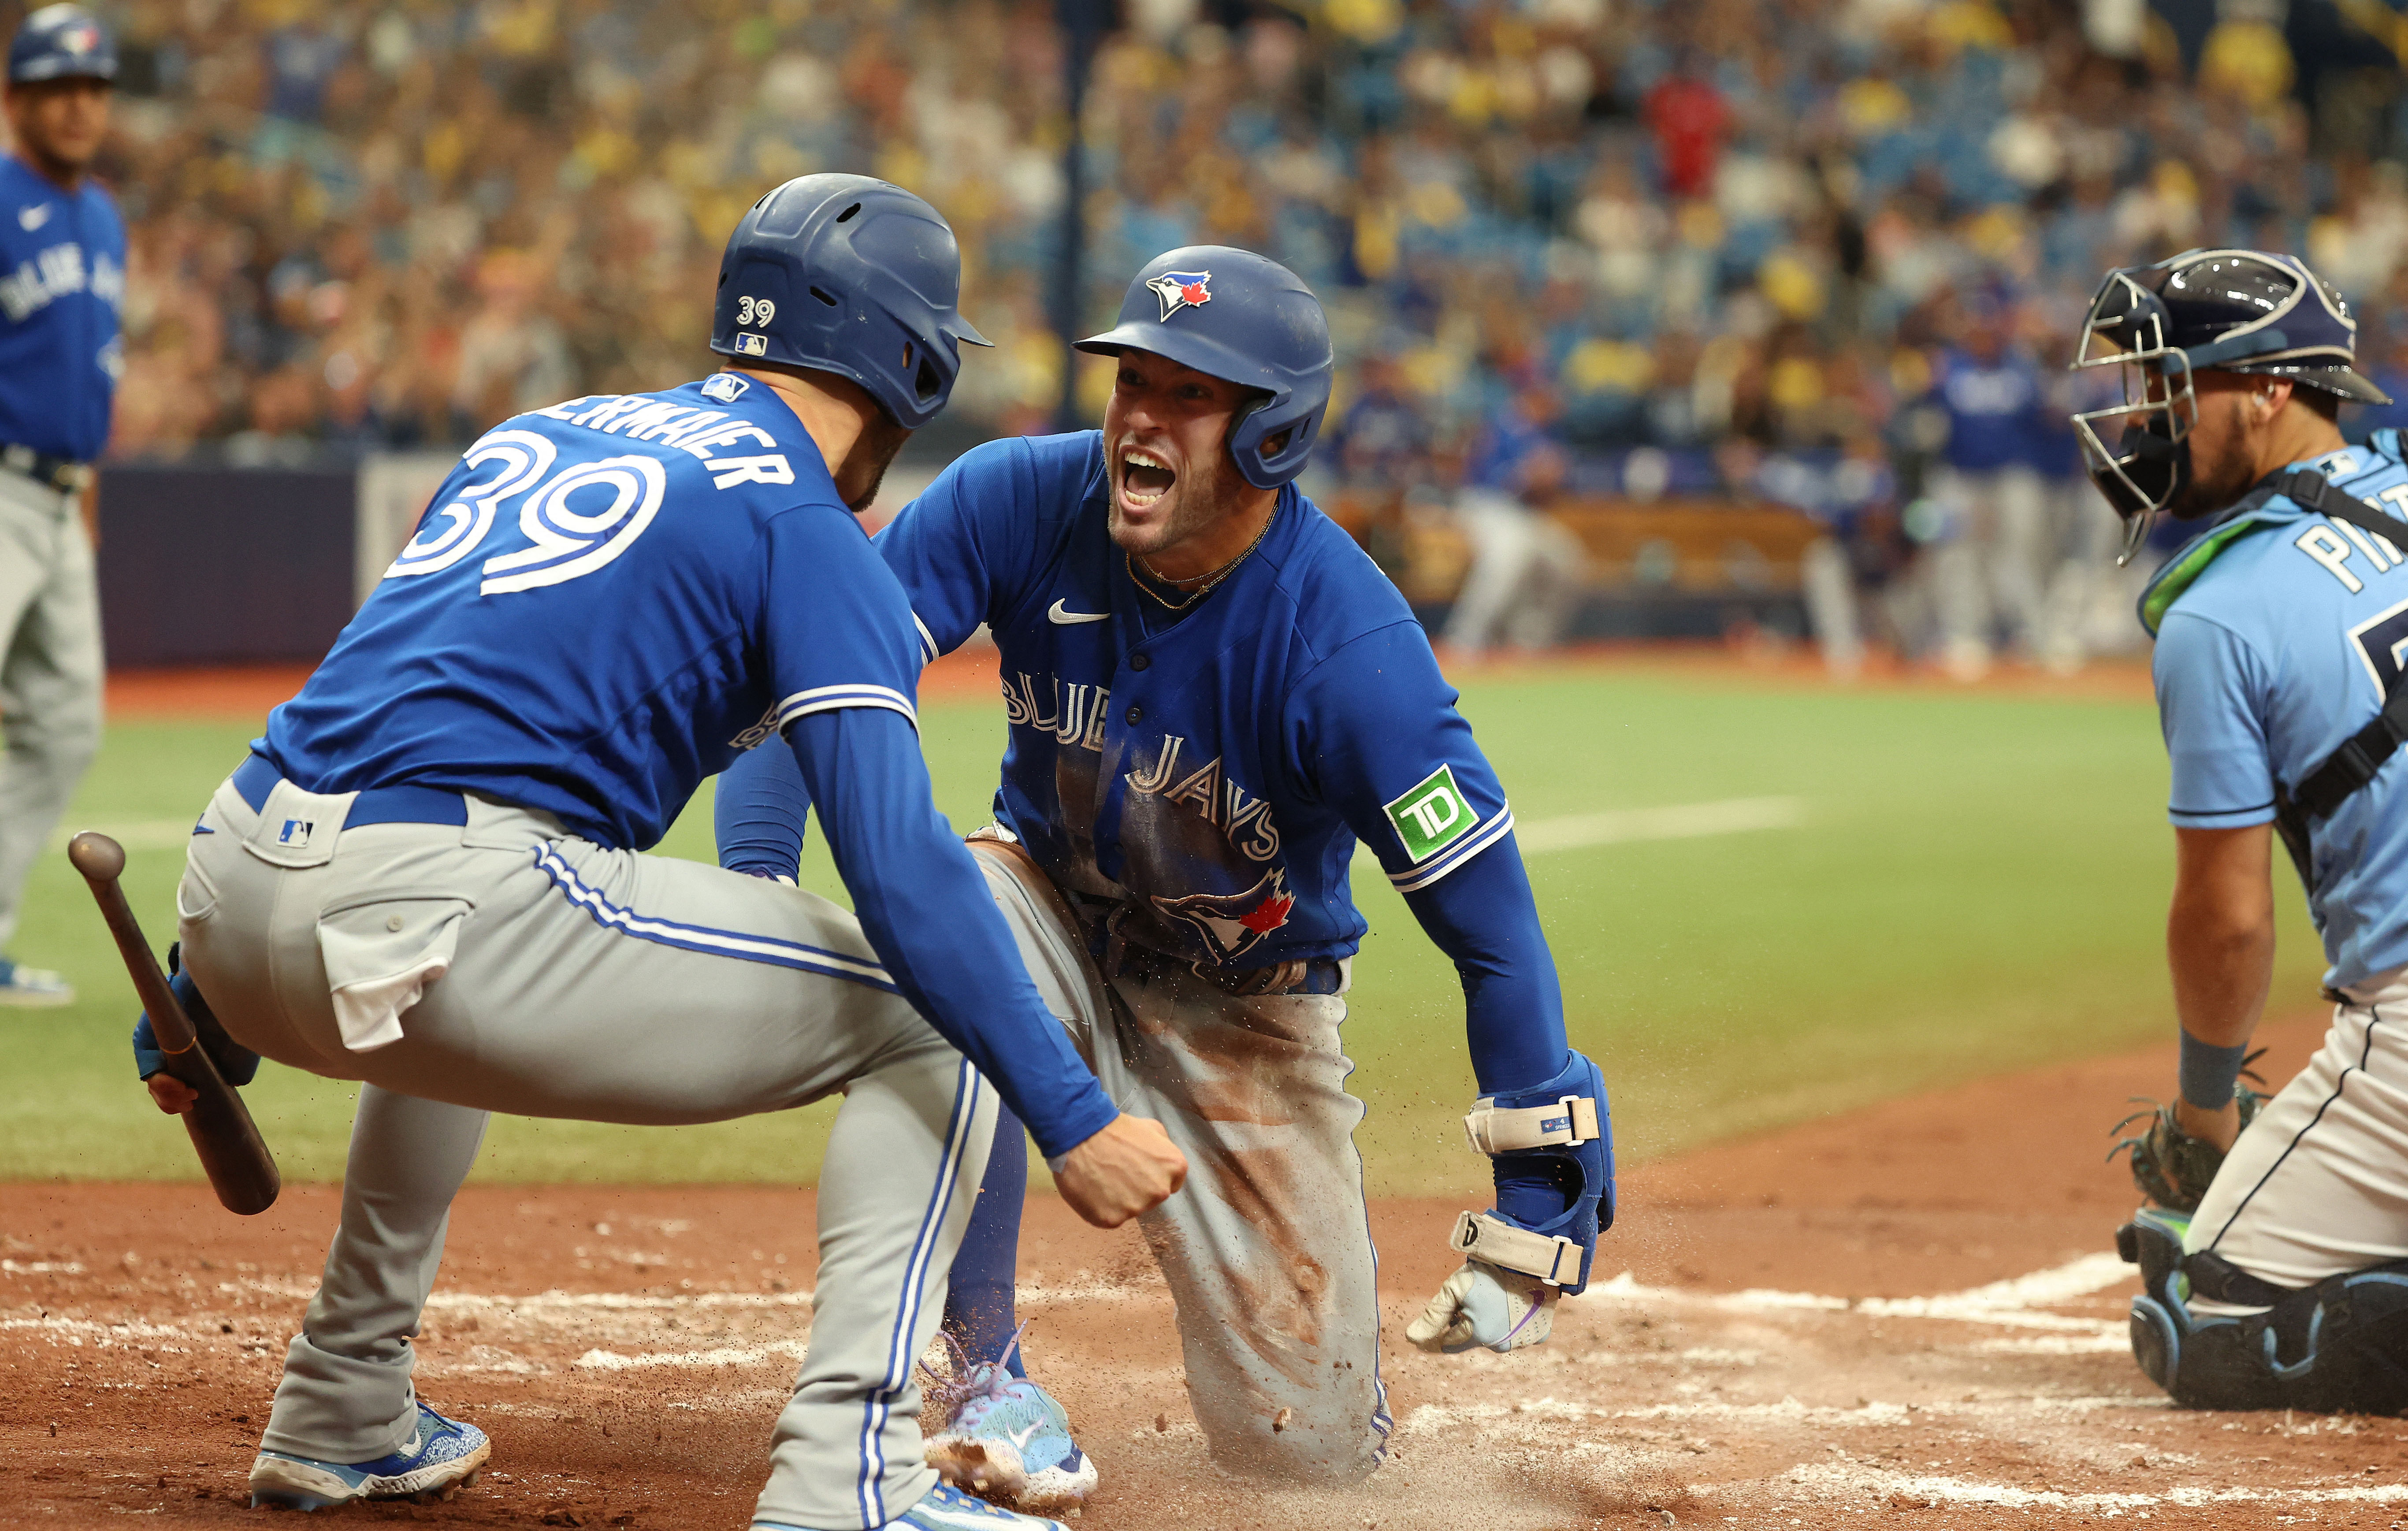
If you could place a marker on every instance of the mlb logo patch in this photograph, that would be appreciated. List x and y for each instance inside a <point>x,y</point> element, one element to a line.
<point>751,345</point>
<point>296,832</point>
<point>727,387</point>
<point>1181,290</point>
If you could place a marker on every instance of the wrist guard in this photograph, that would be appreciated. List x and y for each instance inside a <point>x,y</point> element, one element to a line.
<point>1554,1147</point>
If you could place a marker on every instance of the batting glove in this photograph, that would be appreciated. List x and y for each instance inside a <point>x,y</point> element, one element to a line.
<point>1480,1305</point>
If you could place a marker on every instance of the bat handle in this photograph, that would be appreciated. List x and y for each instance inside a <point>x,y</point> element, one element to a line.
<point>102,860</point>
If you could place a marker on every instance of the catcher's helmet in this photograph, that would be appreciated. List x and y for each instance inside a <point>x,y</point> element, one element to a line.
<point>848,274</point>
<point>59,42</point>
<point>2228,310</point>
<point>1249,320</point>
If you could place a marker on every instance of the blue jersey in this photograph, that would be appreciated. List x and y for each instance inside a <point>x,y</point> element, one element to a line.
<point>61,284</point>
<point>2278,632</point>
<point>584,623</point>
<point>1212,774</point>
<point>1997,412</point>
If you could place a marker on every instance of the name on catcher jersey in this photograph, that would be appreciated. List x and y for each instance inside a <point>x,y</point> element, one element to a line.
<point>2281,646</point>
<point>1212,776</point>
<point>584,623</point>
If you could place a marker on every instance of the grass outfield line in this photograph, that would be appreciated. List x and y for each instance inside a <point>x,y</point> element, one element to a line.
<point>1767,902</point>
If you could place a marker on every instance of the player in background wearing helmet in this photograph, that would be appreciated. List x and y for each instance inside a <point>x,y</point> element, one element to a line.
<point>2280,632</point>
<point>429,875</point>
<point>62,283</point>
<point>1212,696</point>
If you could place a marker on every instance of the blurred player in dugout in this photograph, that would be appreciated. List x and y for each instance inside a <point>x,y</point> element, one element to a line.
<point>62,281</point>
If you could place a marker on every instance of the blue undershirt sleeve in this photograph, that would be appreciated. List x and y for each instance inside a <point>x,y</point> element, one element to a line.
<point>924,906</point>
<point>1486,919</point>
<point>757,814</point>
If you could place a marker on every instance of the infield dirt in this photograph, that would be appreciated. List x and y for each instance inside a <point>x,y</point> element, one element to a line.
<point>1909,1313</point>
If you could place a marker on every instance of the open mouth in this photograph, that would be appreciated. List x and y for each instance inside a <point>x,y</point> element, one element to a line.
<point>1144,477</point>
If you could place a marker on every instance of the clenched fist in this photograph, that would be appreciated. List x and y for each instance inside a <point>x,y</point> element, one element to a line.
<point>1130,1168</point>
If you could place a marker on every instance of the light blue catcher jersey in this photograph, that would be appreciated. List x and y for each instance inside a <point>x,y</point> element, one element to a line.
<point>61,284</point>
<point>584,623</point>
<point>2278,632</point>
<point>1213,776</point>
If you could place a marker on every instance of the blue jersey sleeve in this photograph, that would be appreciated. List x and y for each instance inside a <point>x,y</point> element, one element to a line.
<point>834,628</point>
<point>1376,731</point>
<point>924,906</point>
<point>967,546</point>
<point>2210,686</point>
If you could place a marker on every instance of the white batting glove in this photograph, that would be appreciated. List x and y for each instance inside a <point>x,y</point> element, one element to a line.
<point>1482,1305</point>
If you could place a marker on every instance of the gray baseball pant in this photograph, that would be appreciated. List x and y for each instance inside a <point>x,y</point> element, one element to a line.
<point>50,673</point>
<point>517,968</point>
<point>1268,1251</point>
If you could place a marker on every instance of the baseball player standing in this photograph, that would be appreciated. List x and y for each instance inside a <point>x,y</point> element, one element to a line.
<point>428,875</point>
<point>2280,630</point>
<point>62,283</point>
<point>1212,696</point>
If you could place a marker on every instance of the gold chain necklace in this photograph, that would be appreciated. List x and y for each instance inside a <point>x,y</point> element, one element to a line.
<point>1210,580</point>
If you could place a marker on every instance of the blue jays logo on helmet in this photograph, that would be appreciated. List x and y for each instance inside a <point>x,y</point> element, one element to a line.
<point>61,42</point>
<point>1181,290</point>
<point>1261,329</point>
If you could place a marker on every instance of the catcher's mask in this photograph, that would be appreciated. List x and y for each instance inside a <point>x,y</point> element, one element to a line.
<point>2232,310</point>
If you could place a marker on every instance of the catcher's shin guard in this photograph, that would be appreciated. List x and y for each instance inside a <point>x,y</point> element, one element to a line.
<point>2338,1347</point>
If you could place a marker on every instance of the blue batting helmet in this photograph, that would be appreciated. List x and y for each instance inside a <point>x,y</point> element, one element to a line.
<point>848,274</point>
<point>58,42</point>
<point>1233,315</point>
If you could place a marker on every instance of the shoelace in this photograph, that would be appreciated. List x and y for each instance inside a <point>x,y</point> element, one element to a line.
<point>989,1380</point>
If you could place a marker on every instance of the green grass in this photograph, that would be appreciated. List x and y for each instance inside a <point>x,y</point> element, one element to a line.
<point>1979,886</point>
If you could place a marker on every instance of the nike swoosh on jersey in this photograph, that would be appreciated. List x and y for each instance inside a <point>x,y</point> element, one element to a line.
<point>30,218</point>
<point>1057,614</point>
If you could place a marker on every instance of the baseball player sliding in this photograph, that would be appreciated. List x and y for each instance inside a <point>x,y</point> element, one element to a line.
<point>428,875</point>
<point>62,281</point>
<point>1212,696</point>
<point>2275,1274</point>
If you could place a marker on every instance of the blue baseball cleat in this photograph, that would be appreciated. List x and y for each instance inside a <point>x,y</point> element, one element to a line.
<point>440,1459</point>
<point>945,1508</point>
<point>32,988</point>
<point>1004,1438</point>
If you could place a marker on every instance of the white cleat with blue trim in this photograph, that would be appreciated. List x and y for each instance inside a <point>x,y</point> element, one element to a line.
<point>440,1458</point>
<point>946,1507</point>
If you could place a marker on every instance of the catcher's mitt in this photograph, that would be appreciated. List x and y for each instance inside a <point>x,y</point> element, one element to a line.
<point>2170,1167</point>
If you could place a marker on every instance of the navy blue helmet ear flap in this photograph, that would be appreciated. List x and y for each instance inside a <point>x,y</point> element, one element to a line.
<point>1234,315</point>
<point>848,275</point>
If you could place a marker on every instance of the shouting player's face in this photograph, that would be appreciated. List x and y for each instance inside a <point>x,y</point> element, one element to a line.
<point>1166,447</point>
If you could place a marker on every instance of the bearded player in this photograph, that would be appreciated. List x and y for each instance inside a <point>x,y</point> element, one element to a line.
<point>2276,1264</point>
<point>1213,696</point>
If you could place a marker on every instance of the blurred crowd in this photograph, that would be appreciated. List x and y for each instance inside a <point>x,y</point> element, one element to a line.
<point>1780,248</point>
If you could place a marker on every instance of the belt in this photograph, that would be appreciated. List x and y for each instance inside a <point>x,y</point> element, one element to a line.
<point>1315,976</point>
<point>257,776</point>
<point>58,473</point>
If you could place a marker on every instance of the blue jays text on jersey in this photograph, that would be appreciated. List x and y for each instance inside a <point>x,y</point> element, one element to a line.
<point>494,658</point>
<point>62,285</point>
<point>1212,775</point>
<point>2278,632</point>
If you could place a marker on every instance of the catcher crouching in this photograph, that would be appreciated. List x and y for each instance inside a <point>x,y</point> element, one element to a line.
<point>2274,1259</point>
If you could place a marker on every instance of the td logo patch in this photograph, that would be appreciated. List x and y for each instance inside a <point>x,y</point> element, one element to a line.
<point>1431,815</point>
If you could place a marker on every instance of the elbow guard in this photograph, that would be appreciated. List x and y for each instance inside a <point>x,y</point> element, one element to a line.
<point>1562,1129</point>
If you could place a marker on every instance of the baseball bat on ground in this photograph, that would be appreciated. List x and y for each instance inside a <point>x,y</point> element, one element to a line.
<point>240,1170</point>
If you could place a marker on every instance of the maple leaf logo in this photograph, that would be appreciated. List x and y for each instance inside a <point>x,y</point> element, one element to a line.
<point>1269,915</point>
